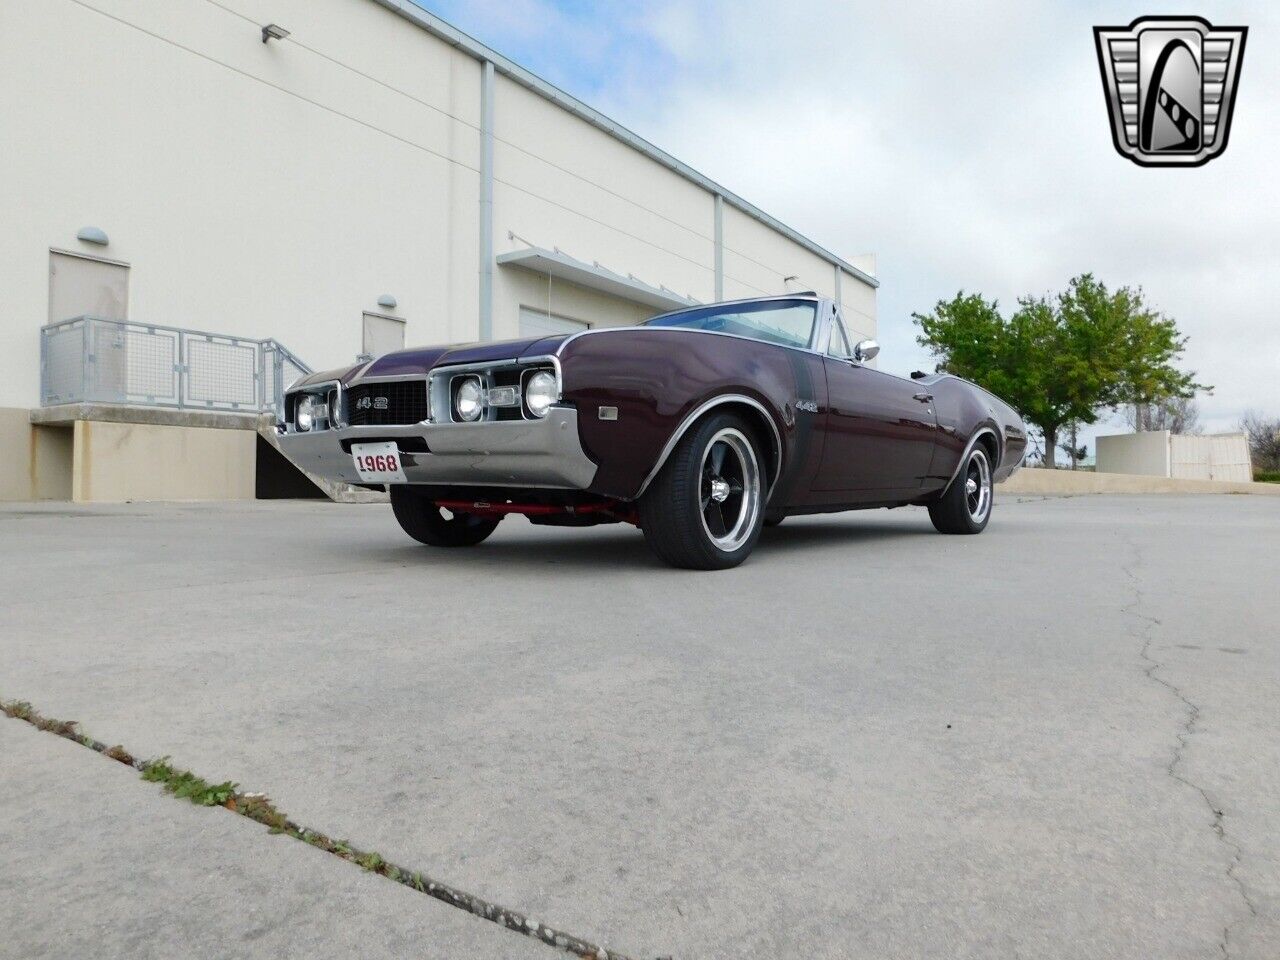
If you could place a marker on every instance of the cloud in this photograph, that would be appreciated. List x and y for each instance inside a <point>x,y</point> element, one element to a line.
<point>966,145</point>
<point>587,48</point>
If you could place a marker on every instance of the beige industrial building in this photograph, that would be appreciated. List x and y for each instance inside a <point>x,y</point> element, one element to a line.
<point>233,190</point>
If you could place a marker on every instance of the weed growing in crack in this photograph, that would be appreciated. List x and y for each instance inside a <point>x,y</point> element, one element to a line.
<point>120,754</point>
<point>21,710</point>
<point>186,785</point>
<point>18,710</point>
<point>257,806</point>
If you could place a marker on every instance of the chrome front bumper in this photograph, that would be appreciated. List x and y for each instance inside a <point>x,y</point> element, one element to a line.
<point>518,453</point>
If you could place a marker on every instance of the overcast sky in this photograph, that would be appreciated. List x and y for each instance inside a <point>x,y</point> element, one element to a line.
<point>966,145</point>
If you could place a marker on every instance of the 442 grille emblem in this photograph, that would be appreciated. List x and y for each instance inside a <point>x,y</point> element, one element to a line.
<point>1170,84</point>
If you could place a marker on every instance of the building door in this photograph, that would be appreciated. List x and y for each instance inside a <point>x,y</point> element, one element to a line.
<point>382,335</point>
<point>538,323</point>
<point>87,287</point>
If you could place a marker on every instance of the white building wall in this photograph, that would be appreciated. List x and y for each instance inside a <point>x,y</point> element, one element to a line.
<point>757,260</point>
<point>277,190</point>
<point>858,302</point>
<point>255,189</point>
<point>560,182</point>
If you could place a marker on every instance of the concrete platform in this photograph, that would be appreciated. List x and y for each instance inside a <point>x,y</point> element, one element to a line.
<point>870,741</point>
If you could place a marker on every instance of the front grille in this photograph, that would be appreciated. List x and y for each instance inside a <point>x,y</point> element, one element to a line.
<point>393,403</point>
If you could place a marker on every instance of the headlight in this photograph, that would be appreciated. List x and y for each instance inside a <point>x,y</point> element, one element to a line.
<point>304,416</point>
<point>541,392</point>
<point>333,409</point>
<point>468,402</point>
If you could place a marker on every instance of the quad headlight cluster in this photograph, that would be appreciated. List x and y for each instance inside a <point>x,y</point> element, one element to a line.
<point>537,392</point>
<point>506,393</point>
<point>315,411</point>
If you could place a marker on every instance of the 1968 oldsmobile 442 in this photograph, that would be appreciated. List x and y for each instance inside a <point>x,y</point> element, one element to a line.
<point>699,426</point>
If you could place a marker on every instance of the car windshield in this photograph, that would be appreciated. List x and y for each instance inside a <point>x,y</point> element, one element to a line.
<point>786,322</point>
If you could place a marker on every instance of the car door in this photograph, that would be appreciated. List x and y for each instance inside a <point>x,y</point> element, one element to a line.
<point>880,429</point>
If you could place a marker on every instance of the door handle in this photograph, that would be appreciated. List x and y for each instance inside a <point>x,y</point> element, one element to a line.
<point>924,397</point>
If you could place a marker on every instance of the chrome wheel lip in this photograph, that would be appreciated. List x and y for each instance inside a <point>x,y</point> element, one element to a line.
<point>741,526</point>
<point>977,486</point>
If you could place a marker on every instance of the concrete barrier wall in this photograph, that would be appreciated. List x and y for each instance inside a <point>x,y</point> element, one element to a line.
<point>36,460</point>
<point>142,461</point>
<point>1135,453</point>
<point>1212,456</point>
<point>15,465</point>
<point>1036,482</point>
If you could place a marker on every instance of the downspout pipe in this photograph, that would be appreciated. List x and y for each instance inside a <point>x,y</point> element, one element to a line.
<point>486,201</point>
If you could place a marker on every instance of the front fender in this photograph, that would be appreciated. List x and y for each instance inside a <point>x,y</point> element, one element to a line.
<point>661,380</point>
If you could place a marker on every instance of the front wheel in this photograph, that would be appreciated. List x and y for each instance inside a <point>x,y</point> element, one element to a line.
<point>966,506</point>
<point>427,523</point>
<point>705,509</point>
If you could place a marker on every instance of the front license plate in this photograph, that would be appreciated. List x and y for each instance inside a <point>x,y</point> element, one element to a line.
<point>378,462</point>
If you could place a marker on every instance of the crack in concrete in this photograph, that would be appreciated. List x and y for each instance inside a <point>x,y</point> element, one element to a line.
<point>1185,733</point>
<point>257,807</point>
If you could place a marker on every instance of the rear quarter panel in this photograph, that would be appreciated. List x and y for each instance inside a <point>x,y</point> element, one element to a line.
<point>656,377</point>
<point>962,410</point>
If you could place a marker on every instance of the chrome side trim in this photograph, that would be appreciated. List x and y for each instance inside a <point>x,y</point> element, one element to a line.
<point>711,404</point>
<point>964,457</point>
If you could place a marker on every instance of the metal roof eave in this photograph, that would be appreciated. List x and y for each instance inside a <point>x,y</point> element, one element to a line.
<point>594,276</point>
<point>509,68</point>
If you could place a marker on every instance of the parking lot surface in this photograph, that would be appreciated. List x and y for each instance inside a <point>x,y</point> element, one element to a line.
<point>1060,739</point>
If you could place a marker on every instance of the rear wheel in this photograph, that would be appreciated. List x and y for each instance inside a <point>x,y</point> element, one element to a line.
<point>427,523</point>
<point>705,509</point>
<point>966,506</point>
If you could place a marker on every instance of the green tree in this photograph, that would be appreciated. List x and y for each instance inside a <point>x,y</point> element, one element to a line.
<point>1060,359</point>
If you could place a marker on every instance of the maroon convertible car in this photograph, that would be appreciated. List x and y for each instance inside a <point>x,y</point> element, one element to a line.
<point>699,426</point>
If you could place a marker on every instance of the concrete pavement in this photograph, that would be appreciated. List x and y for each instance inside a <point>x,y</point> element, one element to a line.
<point>96,863</point>
<point>870,740</point>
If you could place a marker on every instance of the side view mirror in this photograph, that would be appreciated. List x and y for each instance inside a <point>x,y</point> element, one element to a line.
<point>865,350</point>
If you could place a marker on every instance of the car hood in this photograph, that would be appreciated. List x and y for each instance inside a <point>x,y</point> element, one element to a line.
<point>422,359</point>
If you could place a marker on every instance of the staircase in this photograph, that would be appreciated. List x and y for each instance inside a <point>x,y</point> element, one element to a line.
<point>122,371</point>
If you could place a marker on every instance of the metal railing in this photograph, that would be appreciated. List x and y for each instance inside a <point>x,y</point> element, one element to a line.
<point>94,360</point>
